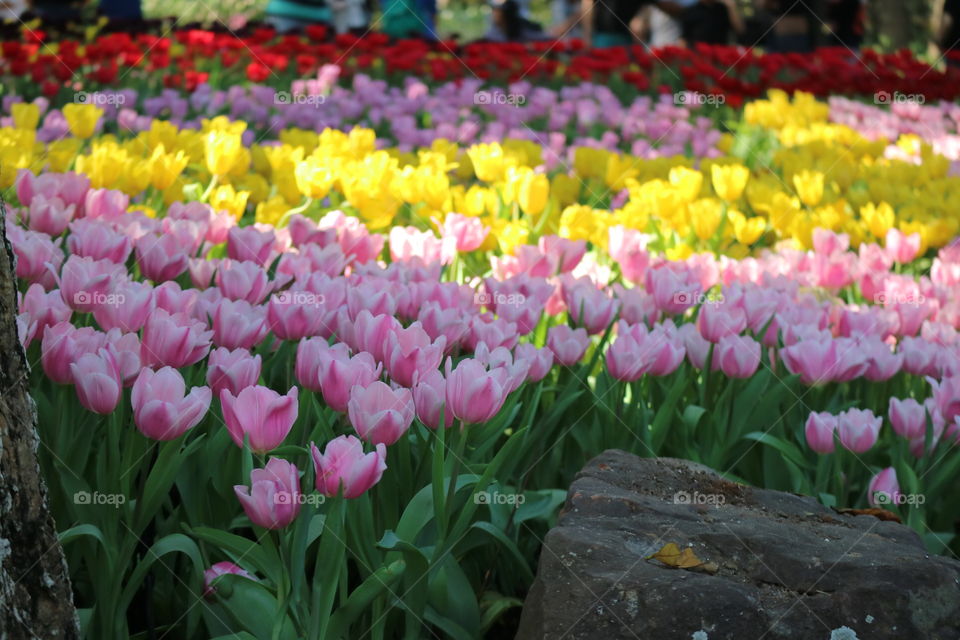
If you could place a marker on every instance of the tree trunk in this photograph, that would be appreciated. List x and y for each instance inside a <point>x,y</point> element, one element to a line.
<point>36,600</point>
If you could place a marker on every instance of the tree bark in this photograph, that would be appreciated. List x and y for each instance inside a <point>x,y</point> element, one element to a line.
<point>36,599</point>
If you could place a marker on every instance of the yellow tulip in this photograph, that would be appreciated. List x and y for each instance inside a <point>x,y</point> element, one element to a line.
<point>809,186</point>
<point>879,219</point>
<point>729,181</point>
<point>687,182</point>
<point>26,115</point>
<point>489,162</point>
<point>533,193</point>
<point>82,119</point>
<point>225,198</point>
<point>705,217</point>
<point>165,167</point>
<point>223,151</point>
<point>314,177</point>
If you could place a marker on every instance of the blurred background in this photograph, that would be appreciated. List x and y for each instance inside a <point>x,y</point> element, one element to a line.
<point>927,27</point>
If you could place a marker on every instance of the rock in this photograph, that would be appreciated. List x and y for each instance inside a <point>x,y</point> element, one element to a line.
<point>772,565</point>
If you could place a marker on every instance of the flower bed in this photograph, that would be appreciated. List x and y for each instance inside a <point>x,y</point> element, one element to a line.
<point>299,381</point>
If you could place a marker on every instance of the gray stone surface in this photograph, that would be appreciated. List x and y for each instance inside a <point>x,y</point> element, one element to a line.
<point>776,566</point>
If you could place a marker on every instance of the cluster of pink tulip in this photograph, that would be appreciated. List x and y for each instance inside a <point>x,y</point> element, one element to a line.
<point>385,343</point>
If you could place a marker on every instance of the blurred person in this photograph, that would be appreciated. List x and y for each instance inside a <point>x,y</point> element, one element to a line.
<point>409,18</point>
<point>12,9</point>
<point>660,29</point>
<point>294,15</point>
<point>508,24</point>
<point>612,23</point>
<point>349,16</point>
<point>563,19</point>
<point>791,26</point>
<point>711,22</point>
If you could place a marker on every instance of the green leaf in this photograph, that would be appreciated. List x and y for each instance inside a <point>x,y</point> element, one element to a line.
<point>161,478</point>
<point>359,601</point>
<point>173,543</point>
<point>522,564</point>
<point>253,607</point>
<point>244,551</point>
<point>788,449</point>
<point>664,416</point>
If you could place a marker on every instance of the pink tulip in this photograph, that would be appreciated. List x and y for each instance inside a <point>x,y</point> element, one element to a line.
<point>260,415</point>
<point>920,357</point>
<point>882,363</point>
<point>827,243</point>
<point>625,360</point>
<point>568,345</point>
<point>50,216</point>
<point>908,417</point>
<point>237,324</point>
<point>86,283</point>
<point>884,490</point>
<point>410,243</point>
<point>170,297</point>
<point>221,569</point>
<point>410,352</point>
<point>946,397</point>
<point>858,429</point>
<point>716,321</point>
<point>429,399</point>
<point>697,347</point>
<point>303,230</point>
<point>449,324</point>
<point>373,295</point>
<point>44,308</point>
<point>474,394</point>
<point>380,415</point>
<point>126,308</point>
<point>98,382</point>
<point>310,352</point>
<point>540,360</point>
<point>370,333</point>
<point>819,361</point>
<point>662,350</point>
<point>126,348</point>
<point>63,344</point>
<point>515,372</point>
<point>173,340</point>
<point>69,187</point>
<point>202,271</point>
<point>344,466</point>
<point>162,410</point>
<point>738,356</point>
<point>338,374</point>
<point>26,329</point>
<point>251,244</point>
<point>466,233</point>
<point>293,315</point>
<point>819,431</point>
<point>588,306</point>
<point>232,370</point>
<point>108,204</point>
<point>161,258</point>
<point>674,289</point>
<point>493,332</point>
<point>628,247</point>
<point>273,499</point>
<point>901,247</point>
<point>243,281</point>
<point>38,257</point>
<point>563,255</point>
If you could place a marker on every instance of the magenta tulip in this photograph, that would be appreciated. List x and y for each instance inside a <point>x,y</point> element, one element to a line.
<point>273,499</point>
<point>568,345</point>
<point>858,429</point>
<point>475,394</point>
<point>884,490</point>
<point>98,382</point>
<point>162,410</point>
<point>344,465</point>
<point>260,415</point>
<point>173,340</point>
<point>380,415</point>
<point>819,431</point>
<point>908,417</point>
<point>234,370</point>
